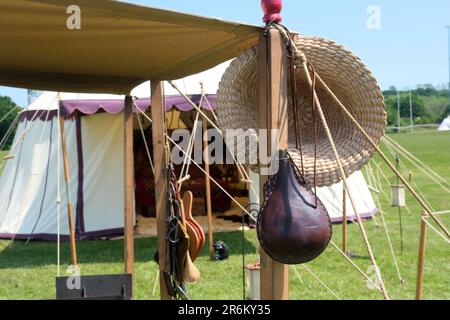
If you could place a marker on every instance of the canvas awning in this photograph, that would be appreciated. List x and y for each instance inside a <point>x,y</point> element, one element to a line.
<point>118,46</point>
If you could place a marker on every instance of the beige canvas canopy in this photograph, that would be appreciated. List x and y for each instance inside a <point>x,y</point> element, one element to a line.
<point>118,46</point>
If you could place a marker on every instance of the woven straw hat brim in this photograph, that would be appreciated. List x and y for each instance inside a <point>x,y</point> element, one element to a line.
<point>350,80</point>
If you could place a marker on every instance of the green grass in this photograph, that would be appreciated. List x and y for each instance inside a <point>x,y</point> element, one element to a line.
<point>27,271</point>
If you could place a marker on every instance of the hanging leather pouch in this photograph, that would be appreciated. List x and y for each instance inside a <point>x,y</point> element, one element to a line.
<point>293,225</point>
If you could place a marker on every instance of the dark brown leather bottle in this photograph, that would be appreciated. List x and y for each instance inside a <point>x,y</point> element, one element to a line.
<point>293,226</point>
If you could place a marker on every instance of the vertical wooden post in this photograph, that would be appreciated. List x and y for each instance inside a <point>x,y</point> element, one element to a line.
<point>129,187</point>
<point>208,194</point>
<point>160,161</point>
<point>273,115</point>
<point>421,260</point>
<point>344,221</point>
<point>73,247</point>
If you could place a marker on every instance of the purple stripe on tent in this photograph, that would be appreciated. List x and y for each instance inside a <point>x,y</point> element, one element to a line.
<point>69,107</point>
<point>93,235</point>
<point>79,225</point>
<point>88,107</point>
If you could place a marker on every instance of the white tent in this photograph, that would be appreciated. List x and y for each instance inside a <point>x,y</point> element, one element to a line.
<point>332,198</point>
<point>29,186</point>
<point>445,125</point>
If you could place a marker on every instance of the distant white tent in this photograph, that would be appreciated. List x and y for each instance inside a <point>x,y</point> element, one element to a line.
<point>332,198</point>
<point>445,125</point>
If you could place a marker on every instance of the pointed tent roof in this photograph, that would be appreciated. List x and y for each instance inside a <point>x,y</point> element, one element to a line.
<point>445,125</point>
<point>118,46</point>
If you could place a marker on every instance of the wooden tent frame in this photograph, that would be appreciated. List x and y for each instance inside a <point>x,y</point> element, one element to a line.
<point>273,115</point>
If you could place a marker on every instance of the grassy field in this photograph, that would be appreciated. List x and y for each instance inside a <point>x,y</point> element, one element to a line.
<point>28,270</point>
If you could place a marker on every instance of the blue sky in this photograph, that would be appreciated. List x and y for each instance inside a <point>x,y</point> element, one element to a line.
<point>409,49</point>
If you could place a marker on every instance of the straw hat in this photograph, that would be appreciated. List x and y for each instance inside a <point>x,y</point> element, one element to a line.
<point>350,80</point>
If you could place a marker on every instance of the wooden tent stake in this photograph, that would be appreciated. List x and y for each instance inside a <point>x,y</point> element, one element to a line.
<point>344,222</point>
<point>128,187</point>
<point>73,246</point>
<point>273,115</point>
<point>208,193</point>
<point>421,260</point>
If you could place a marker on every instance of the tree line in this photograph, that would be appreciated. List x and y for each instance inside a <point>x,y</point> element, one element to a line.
<point>8,113</point>
<point>429,105</point>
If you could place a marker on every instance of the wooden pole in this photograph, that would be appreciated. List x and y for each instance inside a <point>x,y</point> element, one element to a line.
<point>421,260</point>
<point>73,247</point>
<point>129,187</point>
<point>273,115</point>
<point>344,222</point>
<point>208,193</point>
<point>160,160</point>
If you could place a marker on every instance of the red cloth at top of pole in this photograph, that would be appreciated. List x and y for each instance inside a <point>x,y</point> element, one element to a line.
<point>272,10</point>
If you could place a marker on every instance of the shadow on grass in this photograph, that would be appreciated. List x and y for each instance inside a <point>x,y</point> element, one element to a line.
<point>20,254</point>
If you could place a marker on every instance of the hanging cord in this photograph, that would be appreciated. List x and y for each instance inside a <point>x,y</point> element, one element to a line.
<point>299,277</point>
<point>304,266</point>
<point>250,205</point>
<point>243,174</point>
<point>290,46</point>
<point>243,255</point>
<point>58,193</point>
<point>417,188</point>
<point>25,132</point>
<point>386,231</point>
<point>9,132</point>
<point>313,87</point>
<point>397,165</point>
<point>147,149</point>
<point>392,150</point>
<point>435,230</point>
<point>212,179</point>
<point>385,159</point>
<point>346,257</point>
<point>8,113</point>
<point>418,163</point>
<point>344,179</point>
<point>297,123</point>
<point>186,163</point>
<point>301,58</point>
